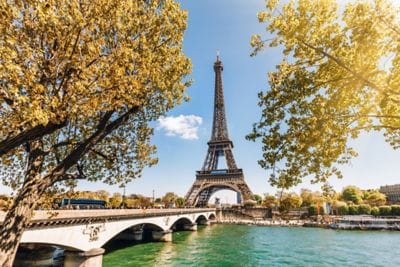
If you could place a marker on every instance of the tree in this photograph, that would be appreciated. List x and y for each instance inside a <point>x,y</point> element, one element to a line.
<point>385,210</point>
<point>131,203</point>
<point>270,201</point>
<point>327,191</point>
<point>102,195</point>
<point>144,202</point>
<point>258,199</point>
<point>289,201</point>
<point>168,199</point>
<point>352,193</point>
<point>79,82</point>
<point>179,202</point>
<point>395,210</point>
<point>339,77</point>
<point>364,209</point>
<point>312,210</point>
<point>376,198</point>
<point>375,211</point>
<point>48,200</point>
<point>138,201</point>
<point>115,201</point>
<point>343,210</point>
<point>308,197</point>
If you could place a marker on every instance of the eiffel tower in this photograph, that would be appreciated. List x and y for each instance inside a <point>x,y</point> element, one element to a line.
<point>211,178</point>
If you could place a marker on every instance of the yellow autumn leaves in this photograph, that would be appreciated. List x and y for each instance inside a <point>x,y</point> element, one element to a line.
<point>338,76</point>
<point>60,59</point>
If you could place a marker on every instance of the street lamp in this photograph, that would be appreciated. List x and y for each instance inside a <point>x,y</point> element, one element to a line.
<point>123,198</point>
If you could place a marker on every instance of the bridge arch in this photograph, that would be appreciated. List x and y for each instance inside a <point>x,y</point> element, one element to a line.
<point>181,223</point>
<point>135,232</point>
<point>212,217</point>
<point>40,244</point>
<point>201,217</point>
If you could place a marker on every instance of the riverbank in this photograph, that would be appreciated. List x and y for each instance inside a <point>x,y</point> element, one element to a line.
<point>366,223</point>
<point>282,223</point>
<point>347,223</point>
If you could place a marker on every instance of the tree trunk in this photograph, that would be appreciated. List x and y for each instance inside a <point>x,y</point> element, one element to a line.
<point>35,185</point>
<point>17,219</point>
<point>21,211</point>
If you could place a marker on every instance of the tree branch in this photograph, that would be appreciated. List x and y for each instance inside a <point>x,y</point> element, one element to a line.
<point>102,155</point>
<point>371,116</point>
<point>102,131</point>
<point>29,135</point>
<point>344,66</point>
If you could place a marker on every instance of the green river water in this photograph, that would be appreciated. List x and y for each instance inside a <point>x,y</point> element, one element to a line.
<point>241,245</point>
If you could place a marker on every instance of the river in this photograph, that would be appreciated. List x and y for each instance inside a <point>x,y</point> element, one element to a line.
<point>241,245</point>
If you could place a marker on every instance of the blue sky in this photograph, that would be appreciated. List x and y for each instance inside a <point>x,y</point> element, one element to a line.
<point>227,25</point>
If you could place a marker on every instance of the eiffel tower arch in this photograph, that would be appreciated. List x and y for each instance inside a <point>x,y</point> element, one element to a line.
<point>212,178</point>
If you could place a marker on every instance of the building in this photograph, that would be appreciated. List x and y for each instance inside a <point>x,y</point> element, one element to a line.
<point>392,193</point>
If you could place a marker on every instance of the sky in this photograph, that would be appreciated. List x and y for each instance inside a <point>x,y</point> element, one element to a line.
<point>182,135</point>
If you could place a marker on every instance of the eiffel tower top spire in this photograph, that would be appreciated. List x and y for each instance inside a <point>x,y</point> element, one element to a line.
<point>220,129</point>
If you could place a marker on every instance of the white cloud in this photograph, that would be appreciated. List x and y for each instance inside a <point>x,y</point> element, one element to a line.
<point>184,126</point>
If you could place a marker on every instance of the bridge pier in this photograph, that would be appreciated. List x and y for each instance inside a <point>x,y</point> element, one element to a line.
<point>131,235</point>
<point>34,255</point>
<point>163,236</point>
<point>205,222</point>
<point>190,227</point>
<point>91,258</point>
<point>138,235</point>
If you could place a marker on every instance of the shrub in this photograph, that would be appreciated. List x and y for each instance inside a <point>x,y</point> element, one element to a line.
<point>375,211</point>
<point>385,210</point>
<point>343,210</point>
<point>364,209</point>
<point>321,211</point>
<point>353,210</point>
<point>250,203</point>
<point>312,210</point>
<point>395,210</point>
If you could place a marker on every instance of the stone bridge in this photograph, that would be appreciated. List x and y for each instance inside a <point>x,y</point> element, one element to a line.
<point>83,233</point>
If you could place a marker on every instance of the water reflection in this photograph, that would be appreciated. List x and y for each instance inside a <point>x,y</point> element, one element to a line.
<point>181,241</point>
<point>235,245</point>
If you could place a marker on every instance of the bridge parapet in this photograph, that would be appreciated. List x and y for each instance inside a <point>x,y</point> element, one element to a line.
<point>58,217</point>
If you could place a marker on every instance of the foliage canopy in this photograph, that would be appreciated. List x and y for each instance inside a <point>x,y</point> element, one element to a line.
<point>69,68</point>
<point>339,76</point>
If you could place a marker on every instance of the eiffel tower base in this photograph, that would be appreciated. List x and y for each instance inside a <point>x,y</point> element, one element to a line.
<point>204,187</point>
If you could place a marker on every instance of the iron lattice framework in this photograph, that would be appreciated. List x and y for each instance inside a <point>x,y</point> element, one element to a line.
<point>211,178</point>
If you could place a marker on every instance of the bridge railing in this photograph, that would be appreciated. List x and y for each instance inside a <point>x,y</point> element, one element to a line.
<point>46,217</point>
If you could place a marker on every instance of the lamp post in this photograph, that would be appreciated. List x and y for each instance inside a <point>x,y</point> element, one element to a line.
<point>123,198</point>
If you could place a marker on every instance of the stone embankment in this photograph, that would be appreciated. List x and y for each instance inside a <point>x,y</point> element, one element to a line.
<point>282,223</point>
<point>341,224</point>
